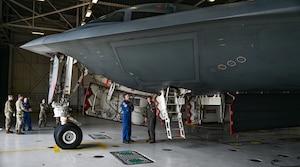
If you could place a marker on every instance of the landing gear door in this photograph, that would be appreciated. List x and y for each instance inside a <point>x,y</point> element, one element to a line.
<point>68,76</point>
<point>53,79</point>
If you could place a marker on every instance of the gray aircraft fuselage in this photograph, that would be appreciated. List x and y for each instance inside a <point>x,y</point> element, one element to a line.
<point>246,46</point>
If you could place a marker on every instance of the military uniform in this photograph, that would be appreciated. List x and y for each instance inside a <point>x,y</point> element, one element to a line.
<point>8,112</point>
<point>42,115</point>
<point>19,115</point>
<point>151,121</point>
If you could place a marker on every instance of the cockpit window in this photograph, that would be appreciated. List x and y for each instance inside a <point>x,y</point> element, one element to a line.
<point>140,15</point>
<point>113,17</point>
<point>143,11</point>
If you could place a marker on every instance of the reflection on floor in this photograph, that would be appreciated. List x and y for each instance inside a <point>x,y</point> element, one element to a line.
<point>206,145</point>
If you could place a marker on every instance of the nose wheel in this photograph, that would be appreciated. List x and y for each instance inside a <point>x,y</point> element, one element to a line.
<point>68,136</point>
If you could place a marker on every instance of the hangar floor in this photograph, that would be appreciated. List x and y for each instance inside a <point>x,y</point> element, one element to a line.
<point>208,146</point>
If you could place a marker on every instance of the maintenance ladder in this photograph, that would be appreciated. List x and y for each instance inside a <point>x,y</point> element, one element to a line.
<point>171,104</point>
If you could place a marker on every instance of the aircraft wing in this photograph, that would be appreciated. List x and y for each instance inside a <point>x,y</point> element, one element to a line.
<point>245,46</point>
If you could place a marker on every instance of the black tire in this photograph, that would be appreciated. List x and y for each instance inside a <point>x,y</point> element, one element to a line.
<point>55,131</point>
<point>68,136</point>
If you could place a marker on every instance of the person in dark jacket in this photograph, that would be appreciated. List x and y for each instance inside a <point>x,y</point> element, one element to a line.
<point>150,118</point>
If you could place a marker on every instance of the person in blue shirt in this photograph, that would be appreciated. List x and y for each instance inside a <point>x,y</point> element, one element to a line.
<point>27,118</point>
<point>127,108</point>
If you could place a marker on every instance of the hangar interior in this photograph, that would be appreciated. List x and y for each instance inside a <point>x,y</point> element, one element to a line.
<point>27,73</point>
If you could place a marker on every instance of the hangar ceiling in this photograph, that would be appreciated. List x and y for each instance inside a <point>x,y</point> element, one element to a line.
<point>22,18</point>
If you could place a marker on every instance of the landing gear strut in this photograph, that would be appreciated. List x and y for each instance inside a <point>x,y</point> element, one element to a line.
<point>68,134</point>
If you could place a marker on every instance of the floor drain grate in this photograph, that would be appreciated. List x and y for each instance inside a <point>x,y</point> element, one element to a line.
<point>131,157</point>
<point>99,136</point>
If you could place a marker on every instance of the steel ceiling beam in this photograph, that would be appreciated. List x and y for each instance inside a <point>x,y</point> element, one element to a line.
<point>70,25</point>
<point>200,2</point>
<point>4,38</point>
<point>4,34</point>
<point>25,19</point>
<point>113,4</point>
<point>50,13</point>
<point>14,10</point>
<point>34,27</point>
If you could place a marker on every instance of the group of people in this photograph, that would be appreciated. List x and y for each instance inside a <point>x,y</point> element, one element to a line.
<point>22,112</point>
<point>23,109</point>
<point>150,118</point>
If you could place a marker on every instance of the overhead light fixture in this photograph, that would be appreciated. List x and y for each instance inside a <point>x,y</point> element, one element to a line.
<point>211,0</point>
<point>41,0</point>
<point>88,13</point>
<point>37,33</point>
<point>94,1</point>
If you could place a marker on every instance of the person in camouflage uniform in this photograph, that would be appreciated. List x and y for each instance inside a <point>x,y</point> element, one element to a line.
<point>8,112</point>
<point>19,114</point>
<point>43,115</point>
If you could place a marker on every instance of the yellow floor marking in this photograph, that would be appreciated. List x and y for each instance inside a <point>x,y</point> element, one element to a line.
<point>102,146</point>
<point>256,142</point>
<point>89,146</point>
<point>56,149</point>
<point>29,150</point>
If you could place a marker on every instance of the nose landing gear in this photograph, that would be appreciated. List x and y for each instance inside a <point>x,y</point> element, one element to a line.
<point>68,136</point>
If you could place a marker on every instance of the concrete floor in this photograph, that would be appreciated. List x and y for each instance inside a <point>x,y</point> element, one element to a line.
<point>208,146</point>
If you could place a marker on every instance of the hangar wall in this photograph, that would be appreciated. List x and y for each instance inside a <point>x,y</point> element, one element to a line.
<point>30,77</point>
<point>4,66</point>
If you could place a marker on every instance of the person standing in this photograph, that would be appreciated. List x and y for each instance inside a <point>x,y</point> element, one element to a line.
<point>19,114</point>
<point>8,112</point>
<point>150,118</point>
<point>127,108</point>
<point>27,118</point>
<point>43,115</point>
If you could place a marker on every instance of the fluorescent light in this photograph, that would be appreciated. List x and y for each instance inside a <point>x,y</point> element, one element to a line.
<point>88,13</point>
<point>94,1</point>
<point>37,33</point>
